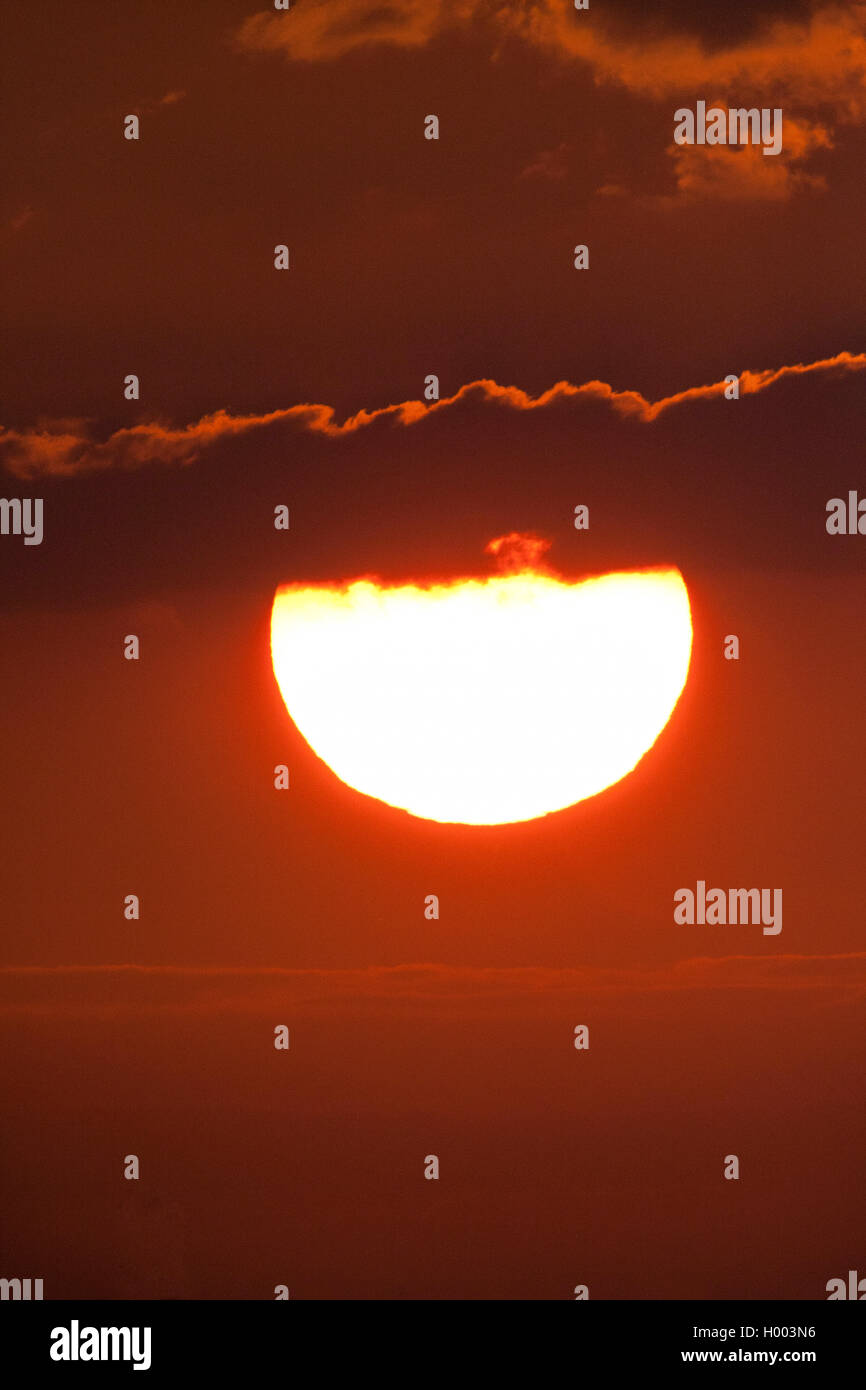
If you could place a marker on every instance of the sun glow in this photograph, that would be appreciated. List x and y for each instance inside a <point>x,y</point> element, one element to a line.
<point>484,701</point>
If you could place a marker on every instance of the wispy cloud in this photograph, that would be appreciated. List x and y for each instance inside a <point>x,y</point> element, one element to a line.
<point>110,989</point>
<point>810,65</point>
<point>321,30</point>
<point>743,175</point>
<point>818,59</point>
<point>66,448</point>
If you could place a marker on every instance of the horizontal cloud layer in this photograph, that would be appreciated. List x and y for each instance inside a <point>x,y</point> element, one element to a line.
<point>68,449</point>
<point>107,989</point>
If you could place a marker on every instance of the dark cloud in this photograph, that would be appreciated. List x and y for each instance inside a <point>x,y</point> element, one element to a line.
<point>62,452</point>
<point>695,480</point>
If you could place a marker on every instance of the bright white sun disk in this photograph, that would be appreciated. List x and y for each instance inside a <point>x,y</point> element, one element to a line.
<point>483,701</point>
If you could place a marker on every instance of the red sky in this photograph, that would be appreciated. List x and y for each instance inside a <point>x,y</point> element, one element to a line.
<point>604,387</point>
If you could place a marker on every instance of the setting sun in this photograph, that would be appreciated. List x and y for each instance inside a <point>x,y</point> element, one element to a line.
<point>483,701</point>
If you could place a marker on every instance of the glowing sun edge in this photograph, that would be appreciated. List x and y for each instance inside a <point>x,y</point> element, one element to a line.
<point>483,702</point>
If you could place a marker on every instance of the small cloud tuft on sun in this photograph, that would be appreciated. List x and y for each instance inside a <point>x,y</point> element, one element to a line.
<point>518,553</point>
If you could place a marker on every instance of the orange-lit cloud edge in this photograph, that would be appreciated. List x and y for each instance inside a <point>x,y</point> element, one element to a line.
<point>812,63</point>
<point>816,59</point>
<point>65,448</point>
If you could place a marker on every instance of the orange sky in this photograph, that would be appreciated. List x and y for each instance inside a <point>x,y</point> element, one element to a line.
<point>605,387</point>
